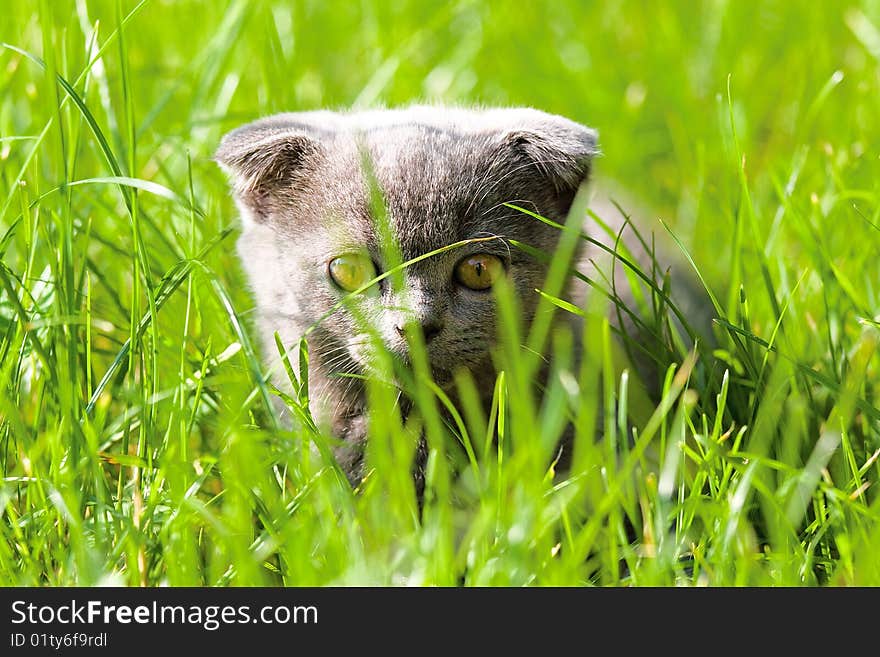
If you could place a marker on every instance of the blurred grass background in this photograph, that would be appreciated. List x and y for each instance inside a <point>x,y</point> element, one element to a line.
<point>750,127</point>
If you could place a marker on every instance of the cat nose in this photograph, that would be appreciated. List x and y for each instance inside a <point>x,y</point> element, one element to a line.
<point>430,330</point>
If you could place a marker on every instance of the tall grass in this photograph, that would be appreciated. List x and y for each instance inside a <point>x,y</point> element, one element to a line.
<point>139,437</point>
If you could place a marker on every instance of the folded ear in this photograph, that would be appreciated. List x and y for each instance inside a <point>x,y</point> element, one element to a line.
<point>264,159</point>
<point>561,150</point>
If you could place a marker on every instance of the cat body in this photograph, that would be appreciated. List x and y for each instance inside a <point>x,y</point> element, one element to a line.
<point>305,186</point>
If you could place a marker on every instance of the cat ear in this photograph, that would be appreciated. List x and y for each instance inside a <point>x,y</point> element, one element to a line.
<point>560,149</point>
<point>265,158</point>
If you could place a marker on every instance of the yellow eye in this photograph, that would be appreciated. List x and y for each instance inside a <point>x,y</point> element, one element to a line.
<point>351,271</point>
<point>479,271</point>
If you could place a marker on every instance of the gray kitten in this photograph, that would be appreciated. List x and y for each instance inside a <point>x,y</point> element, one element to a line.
<point>309,234</point>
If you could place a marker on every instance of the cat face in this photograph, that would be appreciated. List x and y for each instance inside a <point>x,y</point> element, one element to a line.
<point>323,195</point>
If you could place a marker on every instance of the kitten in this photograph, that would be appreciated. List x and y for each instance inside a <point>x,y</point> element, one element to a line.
<point>309,236</point>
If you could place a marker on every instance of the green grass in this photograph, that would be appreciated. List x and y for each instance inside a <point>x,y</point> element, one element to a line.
<point>137,438</point>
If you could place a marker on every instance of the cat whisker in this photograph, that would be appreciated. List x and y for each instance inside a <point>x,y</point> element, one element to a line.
<point>483,184</point>
<point>247,311</point>
<point>527,348</point>
<point>500,238</point>
<point>510,172</point>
